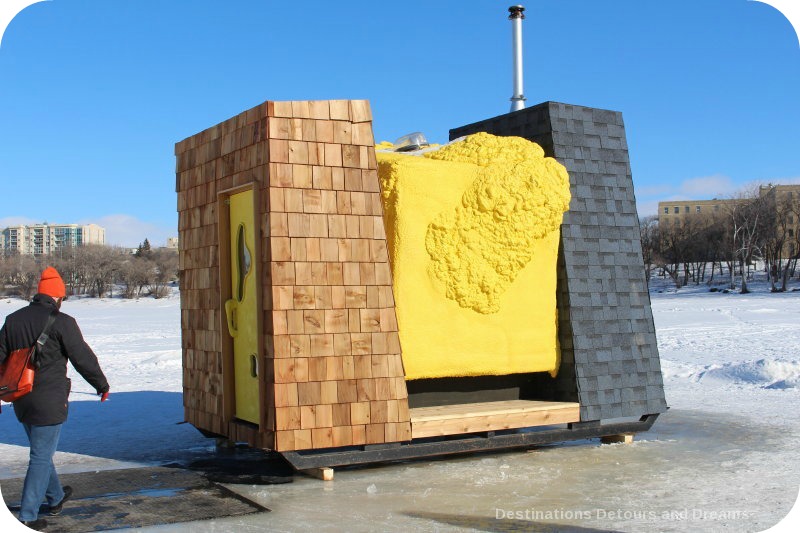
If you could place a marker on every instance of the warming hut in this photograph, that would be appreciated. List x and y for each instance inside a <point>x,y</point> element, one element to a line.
<point>343,307</point>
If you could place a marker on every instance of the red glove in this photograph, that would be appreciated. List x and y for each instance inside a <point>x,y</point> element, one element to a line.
<point>103,396</point>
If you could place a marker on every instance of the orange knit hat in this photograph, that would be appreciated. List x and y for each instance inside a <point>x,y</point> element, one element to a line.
<point>51,283</point>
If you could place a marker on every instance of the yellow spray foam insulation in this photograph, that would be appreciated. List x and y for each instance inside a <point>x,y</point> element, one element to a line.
<point>520,196</point>
<point>472,233</point>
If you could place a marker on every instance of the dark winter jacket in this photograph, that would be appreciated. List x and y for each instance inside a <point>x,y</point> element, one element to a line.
<point>47,403</point>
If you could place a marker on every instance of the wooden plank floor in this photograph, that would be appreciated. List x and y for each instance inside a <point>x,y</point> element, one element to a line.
<point>489,416</point>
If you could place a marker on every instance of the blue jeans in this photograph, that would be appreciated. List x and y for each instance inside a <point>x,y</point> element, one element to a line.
<point>41,481</point>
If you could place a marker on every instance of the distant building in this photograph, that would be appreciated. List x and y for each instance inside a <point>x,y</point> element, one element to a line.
<point>40,239</point>
<point>172,242</point>
<point>675,212</point>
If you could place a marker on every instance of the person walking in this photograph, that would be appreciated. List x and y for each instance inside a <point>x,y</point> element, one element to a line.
<point>43,411</point>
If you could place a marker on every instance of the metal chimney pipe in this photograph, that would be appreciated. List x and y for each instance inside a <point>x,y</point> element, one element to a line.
<point>516,16</point>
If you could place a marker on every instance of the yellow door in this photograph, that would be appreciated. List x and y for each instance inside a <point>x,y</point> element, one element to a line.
<point>242,309</point>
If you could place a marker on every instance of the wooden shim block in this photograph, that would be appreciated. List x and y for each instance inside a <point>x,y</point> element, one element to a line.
<point>296,152</point>
<point>322,437</point>
<point>342,435</point>
<point>490,416</point>
<point>378,411</point>
<point>341,414</point>
<point>358,203</point>
<point>328,200</point>
<point>355,296</point>
<point>282,295</point>
<point>339,109</point>
<point>363,365</point>
<point>351,156</point>
<point>388,320</point>
<point>319,109</point>
<point>293,200</point>
<point>284,441</point>
<point>312,250</point>
<point>280,109</point>
<point>317,369</point>
<point>380,363</point>
<point>280,248</point>
<point>341,345</point>
<point>324,129</point>
<point>309,393</point>
<point>302,271</point>
<point>319,273</point>
<point>284,372</point>
<point>352,179</point>
<point>303,297</point>
<point>362,134</point>
<point>370,320</point>
<point>361,343</point>
<point>333,155</point>
<point>359,412</point>
<point>300,225</point>
<point>360,111</point>
<point>316,153</point>
<point>279,128</point>
<point>378,253</point>
<point>622,438</point>
<point>299,346</point>
<point>280,174</point>
<point>286,394</point>
<point>373,297</point>
<point>314,321</point>
<point>281,346</point>
<point>323,300</point>
<point>321,178</point>
<point>329,248</point>
<point>348,367</point>
<point>335,371</point>
<point>308,130</point>
<point>294,321</point>
<point>323,473</point>
<point>301,109</point>
<point>302,439</point>
<point>376,434</point>
<point>336,320</point>
<point>367,270</point>
<point>347,391</point>
<point>322,345</point>
<point>287,418</point>
<point>324,416</point>
<point>342,133</point>
<point>351,273</point>
<point>329,389</point>
<point>301,176</point>
<point>279,151</point>
<point>307,416</point>
<point>301,369</point>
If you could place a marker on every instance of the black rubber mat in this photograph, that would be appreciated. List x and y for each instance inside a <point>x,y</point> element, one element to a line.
<point>138,497</point>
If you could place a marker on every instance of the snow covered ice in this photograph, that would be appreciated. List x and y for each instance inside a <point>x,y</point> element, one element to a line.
<point>724,458</point>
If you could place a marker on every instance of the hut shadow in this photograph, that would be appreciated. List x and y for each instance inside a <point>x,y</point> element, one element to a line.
<point>142,426</point>
<point>483,523</point>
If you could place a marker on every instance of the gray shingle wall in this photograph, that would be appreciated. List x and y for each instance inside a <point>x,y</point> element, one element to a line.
<point>609,355</point>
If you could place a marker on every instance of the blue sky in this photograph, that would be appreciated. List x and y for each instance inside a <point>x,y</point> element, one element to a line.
<point>94,93</point>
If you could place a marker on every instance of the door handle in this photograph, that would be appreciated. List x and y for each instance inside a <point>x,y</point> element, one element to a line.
<point>253,365</point>
<point>230,314</point>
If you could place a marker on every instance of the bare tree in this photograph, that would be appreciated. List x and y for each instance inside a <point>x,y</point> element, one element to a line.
<point>648,230</point>
<point>135,273</point>
<point>166,262</point>
<point>748,224</point>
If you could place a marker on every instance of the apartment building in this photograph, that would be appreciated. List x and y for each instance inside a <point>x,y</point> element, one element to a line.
<point>39,239</point>
<point>784,199</point>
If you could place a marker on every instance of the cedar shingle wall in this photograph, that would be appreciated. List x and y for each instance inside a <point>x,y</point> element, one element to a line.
<point>333,365</point>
